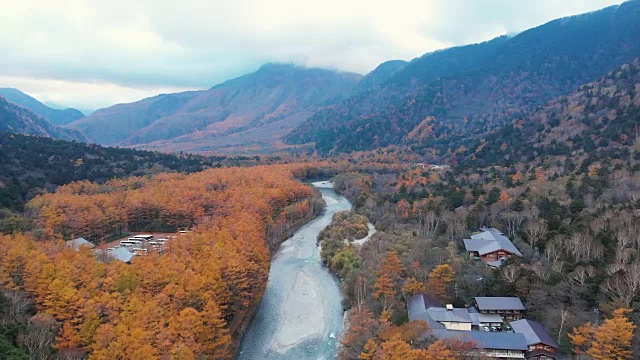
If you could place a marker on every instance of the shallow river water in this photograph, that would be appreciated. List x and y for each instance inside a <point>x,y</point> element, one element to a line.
<point>300,316</point>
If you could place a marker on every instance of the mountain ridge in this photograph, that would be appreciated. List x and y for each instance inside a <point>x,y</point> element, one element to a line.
<point>476,88</point>
<point>18,119</point>
<point>259,107</point>
<point>55,116</point>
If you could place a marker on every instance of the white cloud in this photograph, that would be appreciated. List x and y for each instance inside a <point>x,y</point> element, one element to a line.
<point>145,46</point>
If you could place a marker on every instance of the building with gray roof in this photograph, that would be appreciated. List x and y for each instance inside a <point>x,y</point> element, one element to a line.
<point>80,242</point>
<point>491,247</point>
<point>510,308</point>
<point>503,345</point>
<point>540,344</point>
<point>121,254</point>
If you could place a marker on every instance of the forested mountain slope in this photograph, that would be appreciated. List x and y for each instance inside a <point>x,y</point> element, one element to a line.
<point>55,116</point>
<point>598,121</point>
<point>17,119</point>
<point>256,108</point>
<point>32,165</point>
<point>477,88</point>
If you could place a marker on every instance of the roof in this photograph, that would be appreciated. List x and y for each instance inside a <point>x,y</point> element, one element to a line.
<point>445,315</point>
<point>485,339</point>
<point>533,332</point>
<point>121,254</point>
<point>490,240</point>
<point>479,318</point>
<point>76,244</point>
<point>420,303</point>
<point>499,303</point>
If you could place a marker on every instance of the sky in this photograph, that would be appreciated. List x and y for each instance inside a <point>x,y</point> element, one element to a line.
<point>91,54</point>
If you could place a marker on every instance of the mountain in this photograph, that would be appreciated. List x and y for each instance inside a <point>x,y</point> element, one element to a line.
<point>381,74</point>
<point>55,116</point>
<point>257,108</point>
<point>445,97</point>
<point>17,119</point>
<point>598,121</point>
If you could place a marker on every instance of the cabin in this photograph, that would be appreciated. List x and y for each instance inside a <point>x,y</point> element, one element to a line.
<point>491,247</point>
<point>79,243</point>
<point>509,308</point>
<point>541,345</point>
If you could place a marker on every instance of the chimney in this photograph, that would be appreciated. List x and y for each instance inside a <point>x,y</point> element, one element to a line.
<point>449,307</point>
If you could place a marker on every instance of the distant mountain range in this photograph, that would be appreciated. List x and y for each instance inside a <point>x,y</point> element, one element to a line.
<point>255,109</point>
<point>17,119</point>
<point>55,116</point>
<point>440,100</point>
<point>440,103</point>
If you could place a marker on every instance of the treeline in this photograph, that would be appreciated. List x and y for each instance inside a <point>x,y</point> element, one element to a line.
<point>575,228</point>
<point>190,303</point>
<point>32,165</point>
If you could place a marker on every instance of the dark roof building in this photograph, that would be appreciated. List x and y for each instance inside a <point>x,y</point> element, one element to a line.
<point>541,345</point>
<point>510,308</point>
<point>491,247</point>
<point>498,303</point>
<point>504,345</point>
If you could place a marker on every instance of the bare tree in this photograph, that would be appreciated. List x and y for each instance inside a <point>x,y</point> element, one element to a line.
<point>510,273</point>
<point>584,247</point>
<point>38,337</point>
<point>623,286</point>
<point>429,222</point>
<point>581,274</point>
<point>535,229</point>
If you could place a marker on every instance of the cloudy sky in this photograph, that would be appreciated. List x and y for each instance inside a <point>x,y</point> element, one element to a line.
<point>94,53</point>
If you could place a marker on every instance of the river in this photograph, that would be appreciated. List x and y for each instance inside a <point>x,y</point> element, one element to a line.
<point>300,315</point>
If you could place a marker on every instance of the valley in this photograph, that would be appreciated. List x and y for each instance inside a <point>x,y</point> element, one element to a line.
<point>479,201</point>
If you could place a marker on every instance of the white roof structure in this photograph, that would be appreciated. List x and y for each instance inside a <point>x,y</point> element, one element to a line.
<point>121,254</point>
<point>490,240</point>
<point>80,242</point>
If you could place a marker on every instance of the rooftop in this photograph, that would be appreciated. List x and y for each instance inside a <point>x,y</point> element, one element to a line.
<point>445,315</point>
<point>121,254</point>
<point>485,339</point>
<point>499,303</point>
<point>533,332</point>
<point>80,242</point>
<point>490,240</point>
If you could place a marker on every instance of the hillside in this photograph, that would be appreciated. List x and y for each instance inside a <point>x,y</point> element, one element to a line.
<point>476,88</point>
<point>17,119</point>
<point>31,165</point>
<point>381,74</point>
<point>55,116</point>
<point>257,108</point>
<point>597,121</point>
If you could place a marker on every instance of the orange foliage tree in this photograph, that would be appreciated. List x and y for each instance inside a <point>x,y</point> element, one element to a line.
<point>439,279</point>
<point>611,340</point>
<point>187,303</point>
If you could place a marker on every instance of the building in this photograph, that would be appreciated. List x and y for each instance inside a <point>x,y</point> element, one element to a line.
<point>480,321</point>
<point>500,345</point>
<point>509,308</point>
<point>471,326</point>
<point>491,247</point>
<point>80,242</point>
<point>121,254</point>
<point>541,345</point>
